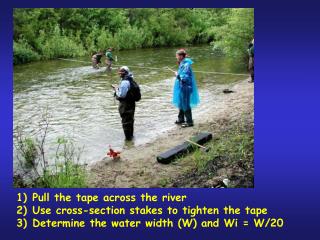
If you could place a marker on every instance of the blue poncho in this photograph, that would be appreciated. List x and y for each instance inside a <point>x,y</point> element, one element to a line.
<point>185,91</point>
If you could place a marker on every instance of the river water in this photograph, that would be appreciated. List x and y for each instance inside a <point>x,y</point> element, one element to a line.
<point>80,103</point>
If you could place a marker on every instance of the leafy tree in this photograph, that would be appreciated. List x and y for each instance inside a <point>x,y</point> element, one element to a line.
<point>54,32</point>
<point>234,36</point>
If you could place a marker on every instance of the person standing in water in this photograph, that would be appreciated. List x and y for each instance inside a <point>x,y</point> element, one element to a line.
<point>109,59</point>
<point>96,59</point>
<point>126,102</point>
<point>251,60</point>
<point>185,91</point>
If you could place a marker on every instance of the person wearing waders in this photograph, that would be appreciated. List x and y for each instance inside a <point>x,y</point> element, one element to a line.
<point>96,59</point>
<point>251,60</point>
<point>109,59</point>
<point>126,103</point>
<point>185,91</point>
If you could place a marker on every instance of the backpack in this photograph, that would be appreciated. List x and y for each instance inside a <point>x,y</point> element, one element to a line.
<point>134,91</point>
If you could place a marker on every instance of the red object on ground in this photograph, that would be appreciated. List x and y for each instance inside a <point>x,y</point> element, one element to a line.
<point>112,153</point>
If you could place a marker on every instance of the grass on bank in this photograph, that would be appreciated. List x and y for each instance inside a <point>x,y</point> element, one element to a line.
<point>70,175</point>
<point>231,149</point>
<point>234,145</point>
<point>37,168</point>
<point>35,172</point>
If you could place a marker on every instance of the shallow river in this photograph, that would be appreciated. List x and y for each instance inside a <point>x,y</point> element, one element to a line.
<point>80,101</point>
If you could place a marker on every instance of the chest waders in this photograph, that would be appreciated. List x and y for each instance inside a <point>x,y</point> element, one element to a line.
<point>126,110</point>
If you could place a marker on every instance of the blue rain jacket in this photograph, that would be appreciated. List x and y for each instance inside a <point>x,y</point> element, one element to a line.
<point>185,90</point>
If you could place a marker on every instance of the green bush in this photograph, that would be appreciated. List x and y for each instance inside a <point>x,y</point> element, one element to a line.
<point>51,33</point>
<point>235,36</point>
<point>59,45</point>
<point>129,38</point>
<point>23,53</point>
<point>167,31</point>
<point>106,40</point>
<point>37,168</point>
<point>30,152</point>
<point>69,175</point>
<point>91,39</point>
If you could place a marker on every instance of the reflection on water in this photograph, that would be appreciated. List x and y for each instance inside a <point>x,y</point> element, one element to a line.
<point>80,99</point>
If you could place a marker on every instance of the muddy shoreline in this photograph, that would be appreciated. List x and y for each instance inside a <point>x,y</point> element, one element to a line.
<point>138,166</point>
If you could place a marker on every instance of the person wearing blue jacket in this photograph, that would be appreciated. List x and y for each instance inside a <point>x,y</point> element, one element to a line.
<point>185,91</point>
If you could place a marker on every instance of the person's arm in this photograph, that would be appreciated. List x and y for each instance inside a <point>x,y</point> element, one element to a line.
<point>122,90</point>
<point>185,74</point>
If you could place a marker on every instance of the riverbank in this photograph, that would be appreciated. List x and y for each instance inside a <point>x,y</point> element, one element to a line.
<point>138,166</point>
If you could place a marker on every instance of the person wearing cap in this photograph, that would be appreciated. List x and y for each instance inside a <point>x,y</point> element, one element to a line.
<point>126,104</point>
<point>109,59</point>
<point>251,60</point>
<point>96,59</point>
<point>185,91</point>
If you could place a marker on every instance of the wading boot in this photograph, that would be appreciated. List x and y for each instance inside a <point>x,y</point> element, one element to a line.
<point>128,134</point>
<point>185,125</point>
<point>180,118</point>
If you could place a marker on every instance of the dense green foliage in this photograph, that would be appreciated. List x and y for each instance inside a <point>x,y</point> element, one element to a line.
<point>233,37</point>
<point>67,32</point>
<point>23,53</point>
